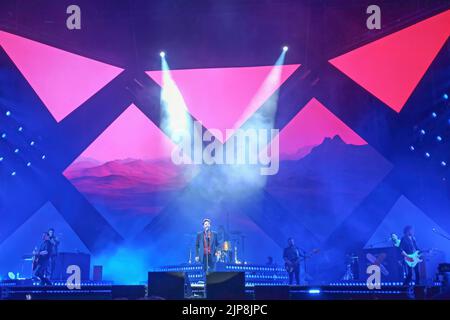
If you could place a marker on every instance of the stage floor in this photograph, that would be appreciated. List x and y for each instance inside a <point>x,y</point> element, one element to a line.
<point>89,290</point>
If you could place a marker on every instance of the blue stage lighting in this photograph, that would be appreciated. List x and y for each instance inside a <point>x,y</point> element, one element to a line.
<point>11,275</point>
<point>434,114</point>
<point>1,159</point>
<point>13,173</point>
<point>285,48</point>
<point>427,154</point>
<point>443,163</point>
<point>439,138</point>
<point>3,135</point>
<point>29,164</point>
<point>412,148</point>
<point>43,157</point>
<point>8,113</point>
<point>16,150</point>
<point>422,132</point>
<point>32,143</point>
<point>162,54</point>
<point>445,96</point>
<point>314,291</point>
<point>20,129</point>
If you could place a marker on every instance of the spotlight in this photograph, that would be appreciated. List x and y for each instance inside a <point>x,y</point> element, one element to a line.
<point>412,148</point>
<point>439,138</point>
<point>8,113</point>
<point>29,164</point>
<point>443,163</point>
<point>3,135</point>
<point>427,154</point>
<point>445,96</point>
<point>11,275</point>
<point>43,157</point>
<point>285,48</point>
<point>1,159</point>
<point>162,54</point>
<point>16,150</point>
<point>13,173</point>
<point>32,143</point>
<point>434,114</point>
<point>20,129</point>
<point>422,132</point>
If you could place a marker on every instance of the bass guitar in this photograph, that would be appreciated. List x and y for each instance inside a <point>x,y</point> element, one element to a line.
<point>291,265</point>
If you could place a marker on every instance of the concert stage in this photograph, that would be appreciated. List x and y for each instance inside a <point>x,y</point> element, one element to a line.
<point>108,291</point>
<point>224,149</point>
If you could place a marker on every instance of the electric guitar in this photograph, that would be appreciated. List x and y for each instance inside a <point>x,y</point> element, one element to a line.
<point>291,265</point>
<point>415,258</point>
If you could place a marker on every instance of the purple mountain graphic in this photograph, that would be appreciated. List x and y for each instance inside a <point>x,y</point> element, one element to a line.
<point>129,192</point>
<point>323,187</point>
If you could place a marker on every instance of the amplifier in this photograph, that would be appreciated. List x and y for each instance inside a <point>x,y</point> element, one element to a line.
<point>65,259</point>
<point>388,258</point>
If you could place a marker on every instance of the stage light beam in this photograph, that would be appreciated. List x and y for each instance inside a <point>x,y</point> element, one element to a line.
<point>176,121</point>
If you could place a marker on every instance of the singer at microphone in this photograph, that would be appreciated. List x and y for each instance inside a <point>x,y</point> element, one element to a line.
<point>208,244</point>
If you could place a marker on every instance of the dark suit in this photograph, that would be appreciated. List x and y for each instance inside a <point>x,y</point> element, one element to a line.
<point>206,246</point>
<point>292,255</point>
<point>409,245</point>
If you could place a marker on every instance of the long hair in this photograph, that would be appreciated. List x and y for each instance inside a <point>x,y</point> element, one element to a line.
<point>407,229</point>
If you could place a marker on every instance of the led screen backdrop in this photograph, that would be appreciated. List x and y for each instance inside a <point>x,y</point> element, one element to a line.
<point>99,128</point>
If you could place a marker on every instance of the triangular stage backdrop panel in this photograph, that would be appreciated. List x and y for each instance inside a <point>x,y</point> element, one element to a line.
<point>390,68</point>
<point>29,235</point>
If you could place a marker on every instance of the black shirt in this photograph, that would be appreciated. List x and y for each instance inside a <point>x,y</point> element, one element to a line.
<point>291,253</point>
<point>54,242</point>
<point>45,246</point>
<point>408,244</point>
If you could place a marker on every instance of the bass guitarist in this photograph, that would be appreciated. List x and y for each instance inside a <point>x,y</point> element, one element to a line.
<point>41,260</point>
<point>291,256</point>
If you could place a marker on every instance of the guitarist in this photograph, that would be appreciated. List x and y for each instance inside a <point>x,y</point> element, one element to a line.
<point>291,256</point>
<point>408,246</point>
<point>54,241</point>
<point>41,259</point>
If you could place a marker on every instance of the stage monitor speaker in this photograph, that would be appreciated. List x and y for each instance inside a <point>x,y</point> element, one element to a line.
<point>166,285</point>
<point>271,292</point>
<point>225,286</point>
<point>65,259</point>
<point>128,292</point>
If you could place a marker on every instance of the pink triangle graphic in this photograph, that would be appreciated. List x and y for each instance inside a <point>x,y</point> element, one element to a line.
<point>131,136</point>
<point>62,80</point>
<point>390,68</point>
<point>309,128</point>
<point>224,98</point>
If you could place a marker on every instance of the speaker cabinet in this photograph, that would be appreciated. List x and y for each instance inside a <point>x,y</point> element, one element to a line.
<point>166,285</point>
<point>65,259</point>
<point>225,286</point>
